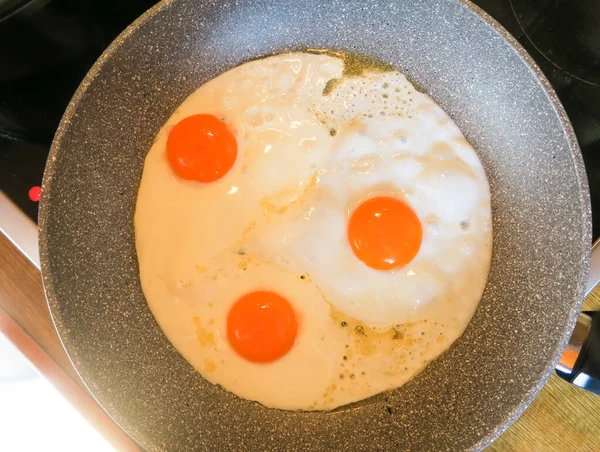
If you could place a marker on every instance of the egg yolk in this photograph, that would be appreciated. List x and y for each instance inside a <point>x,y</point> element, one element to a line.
<point>201,148</point>
<point>261,326</point>
<point>385,233</point>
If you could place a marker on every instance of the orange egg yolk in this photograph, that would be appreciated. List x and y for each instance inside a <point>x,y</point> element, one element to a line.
<point>262,326</point>
<point>385,233</point>
<point>201,148</point>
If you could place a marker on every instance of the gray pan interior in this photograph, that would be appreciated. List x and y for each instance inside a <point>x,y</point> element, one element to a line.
<point>484,81</point>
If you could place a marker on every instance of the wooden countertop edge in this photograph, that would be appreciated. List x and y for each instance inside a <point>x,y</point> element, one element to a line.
<point>81,400</point>
<point>26,322</point>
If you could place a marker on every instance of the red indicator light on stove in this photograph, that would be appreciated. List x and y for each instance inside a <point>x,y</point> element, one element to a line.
<point>35,193</point>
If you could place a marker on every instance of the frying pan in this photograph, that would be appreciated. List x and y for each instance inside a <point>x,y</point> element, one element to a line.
<point>472,68</point>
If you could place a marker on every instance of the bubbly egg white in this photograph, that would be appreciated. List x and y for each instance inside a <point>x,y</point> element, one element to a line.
<point>277,221</point>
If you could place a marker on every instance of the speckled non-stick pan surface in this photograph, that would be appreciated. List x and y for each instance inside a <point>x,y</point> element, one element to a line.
<point>472,68</point>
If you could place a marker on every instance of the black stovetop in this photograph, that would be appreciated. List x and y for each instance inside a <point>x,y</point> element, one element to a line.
<point>46,48</point>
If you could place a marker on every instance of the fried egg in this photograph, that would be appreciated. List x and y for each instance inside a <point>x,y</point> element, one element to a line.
<point>309,235</point>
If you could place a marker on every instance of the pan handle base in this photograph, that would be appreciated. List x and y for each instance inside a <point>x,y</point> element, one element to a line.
<point>580,362</point>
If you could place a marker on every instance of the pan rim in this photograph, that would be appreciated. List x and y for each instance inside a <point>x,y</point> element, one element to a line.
<point>51,299</point>
<point>580,172</point>
<point>585,201</point>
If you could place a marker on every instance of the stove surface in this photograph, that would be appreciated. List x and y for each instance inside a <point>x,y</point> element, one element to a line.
<point>46,50</point>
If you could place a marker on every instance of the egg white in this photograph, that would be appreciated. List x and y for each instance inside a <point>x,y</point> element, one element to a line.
<point>277,221</point>
<point>421,159</point>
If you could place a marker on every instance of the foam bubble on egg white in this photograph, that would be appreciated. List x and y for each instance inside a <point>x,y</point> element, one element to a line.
<point>277,221</point>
